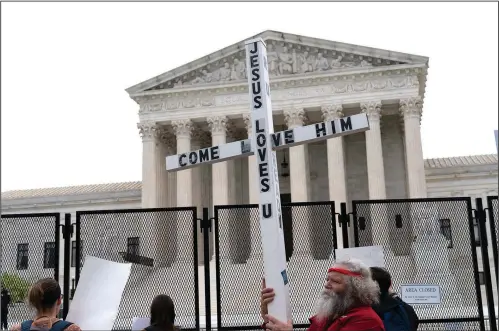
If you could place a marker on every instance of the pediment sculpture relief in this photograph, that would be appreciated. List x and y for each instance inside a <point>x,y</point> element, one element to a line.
<point>282,60</point>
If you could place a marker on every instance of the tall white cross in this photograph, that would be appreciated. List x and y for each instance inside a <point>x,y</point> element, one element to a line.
<point>263,143</point>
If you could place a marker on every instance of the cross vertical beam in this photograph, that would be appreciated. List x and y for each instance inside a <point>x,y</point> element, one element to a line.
<point>274,255</point>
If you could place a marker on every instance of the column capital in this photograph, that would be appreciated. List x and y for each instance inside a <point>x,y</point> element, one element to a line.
<point>332,112</point>
<point>182,128</point>
<point>294,117</point>
<point>149,130</point>
<point>248,123</point>
<point>372,109</point>
<point>411,107</point>
<point>218,124</point>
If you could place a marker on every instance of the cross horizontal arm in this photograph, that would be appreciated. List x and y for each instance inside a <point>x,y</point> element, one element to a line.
<point>283,139</point>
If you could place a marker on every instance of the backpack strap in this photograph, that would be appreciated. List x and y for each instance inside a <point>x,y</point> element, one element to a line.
<point>26,325</point>
<point>60,325</point>
<point>404,313</point>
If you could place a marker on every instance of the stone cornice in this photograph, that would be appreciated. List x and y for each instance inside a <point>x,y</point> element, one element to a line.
<point>461,176</point>
<point>281,38</point>
<point>72,200</point>
<point>464,172</point>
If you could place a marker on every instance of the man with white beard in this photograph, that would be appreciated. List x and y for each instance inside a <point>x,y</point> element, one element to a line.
<point>344,303</point>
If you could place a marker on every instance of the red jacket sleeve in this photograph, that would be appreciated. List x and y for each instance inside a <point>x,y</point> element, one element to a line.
<point>361,324</point>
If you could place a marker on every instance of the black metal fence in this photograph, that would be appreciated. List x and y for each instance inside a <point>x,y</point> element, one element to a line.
<point>161,244</point>
<point>493,210</point>
<point>29,251</point>
<point>428,241</point>
<point>239,260</point>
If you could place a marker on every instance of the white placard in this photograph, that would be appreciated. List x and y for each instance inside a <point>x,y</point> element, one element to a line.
<point>420,294</point>
<point>140,323</point>
<point>97,297</point>
<point>283,139</point>
<point>372,256</point>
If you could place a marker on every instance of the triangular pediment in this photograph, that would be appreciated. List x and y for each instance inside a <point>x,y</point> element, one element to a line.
<point>288,55</point>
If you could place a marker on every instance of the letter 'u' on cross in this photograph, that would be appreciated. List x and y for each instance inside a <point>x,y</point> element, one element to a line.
<point>263,144</point>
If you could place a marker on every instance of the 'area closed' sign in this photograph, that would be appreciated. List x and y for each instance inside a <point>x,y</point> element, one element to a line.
<point>421,294</point>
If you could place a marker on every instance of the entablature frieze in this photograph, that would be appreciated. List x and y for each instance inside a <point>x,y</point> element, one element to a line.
<point>284,91</point>
<point>239,105</point>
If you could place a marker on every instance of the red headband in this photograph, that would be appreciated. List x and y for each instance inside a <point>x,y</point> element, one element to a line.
<point>345,272</point>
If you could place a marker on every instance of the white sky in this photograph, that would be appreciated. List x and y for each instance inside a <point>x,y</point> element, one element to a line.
<point>66,119</point>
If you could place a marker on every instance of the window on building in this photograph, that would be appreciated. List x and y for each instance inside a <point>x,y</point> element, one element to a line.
<point>49,255</point>
<point>73,253</point>
<point>481,277</point>
<point>446,231</point>
<point>22,256</point>
<point>132,247</point>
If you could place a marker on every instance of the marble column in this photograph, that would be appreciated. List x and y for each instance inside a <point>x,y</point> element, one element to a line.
<point>374,150</point>
<point>218,127</point>
<point>153,166</point>
<point>411,110</point>
<point>183,131</point>
<point>197,196</point>
<point>198,181</point>
<point>298,158</point>
<point>231,136</point>
<point>219,176</point>
<point>170,143</point>
<point>336,166</point>
<point>167,223</point>
<point>154,191</point>
<point>376,175</point>
<point>299,184</point>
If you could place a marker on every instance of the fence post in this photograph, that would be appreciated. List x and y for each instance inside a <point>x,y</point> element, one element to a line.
<point>67,232</point>
<point>206,229</point>
<point>344,220</point>
<point>481,220</point>
<point>493,233</point>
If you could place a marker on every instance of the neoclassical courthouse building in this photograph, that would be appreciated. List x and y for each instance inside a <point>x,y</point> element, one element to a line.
<point>206,102</point>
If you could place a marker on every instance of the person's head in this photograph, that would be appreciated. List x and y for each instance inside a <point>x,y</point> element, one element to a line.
<point>383,278</point>
<point>163,312</point>
<point>348,285</point>
<point>45,295</point>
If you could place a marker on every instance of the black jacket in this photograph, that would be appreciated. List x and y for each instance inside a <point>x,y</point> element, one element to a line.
<point>388,302</point>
